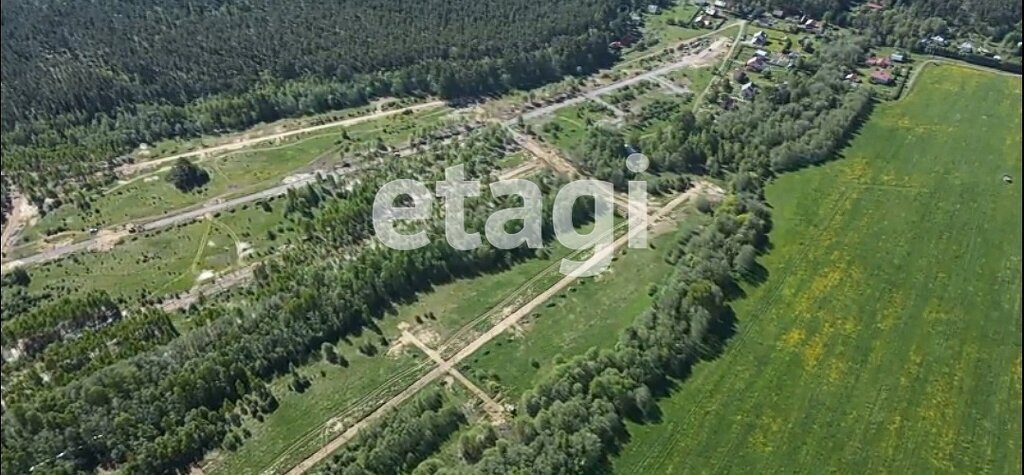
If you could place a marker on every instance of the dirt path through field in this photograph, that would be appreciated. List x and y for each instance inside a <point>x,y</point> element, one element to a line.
<point>506,323</point>
<point>133,168</point>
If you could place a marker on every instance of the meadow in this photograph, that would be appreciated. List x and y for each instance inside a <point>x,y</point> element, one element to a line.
<point>886,334</point>
<point>171,260</point>
<point>589,314</point>
<point>235,173</point>
<point>303,421</point>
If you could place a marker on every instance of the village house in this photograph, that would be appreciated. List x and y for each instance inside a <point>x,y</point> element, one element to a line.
<point>756,64</point>
<point>878,61</point>
<point>897,57</point>
<point>881,76</point>
<point>704,21</point>
<point>712,11</point>
<point>748,90</point>
<point>652,9</point>
<point>759,39</point>
<point>778,14</point>
<point>721,4</point>
<point>761,54</point>
<point>966,47</point>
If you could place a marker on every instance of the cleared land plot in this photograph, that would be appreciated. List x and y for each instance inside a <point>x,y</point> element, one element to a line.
<point>171,260</point>
<point>886,337</point>
<point>567,127</point>
<point>299,426</point>
<point>235,173</point>
<point>337,397</point>
<point>590,314</point>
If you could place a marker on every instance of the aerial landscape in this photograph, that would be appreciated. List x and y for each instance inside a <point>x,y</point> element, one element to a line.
<point>575,237</point>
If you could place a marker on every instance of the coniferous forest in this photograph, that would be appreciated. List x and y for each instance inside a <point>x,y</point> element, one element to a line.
<point>85,83</point>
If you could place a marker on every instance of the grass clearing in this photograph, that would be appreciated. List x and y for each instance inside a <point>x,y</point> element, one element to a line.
<point>887,334</point>
<point>236,173</point>
<point>591,313</point>
<point>567,127</point>
<point>296,429</point>
<point>171,260</point>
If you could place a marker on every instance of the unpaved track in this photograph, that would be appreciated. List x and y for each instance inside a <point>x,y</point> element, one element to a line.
<point>22,212</point>
<point>699,59</point>
<point>492,407</point>
<point>133,168</point>
<point>489,335</point>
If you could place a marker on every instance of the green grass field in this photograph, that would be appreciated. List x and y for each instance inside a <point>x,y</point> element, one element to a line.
<point>171,260</point>
<point>886,337</point>
<point>591,313</point>
<point>236,173</point>
<point>567,127</point>
<point>296,429</point>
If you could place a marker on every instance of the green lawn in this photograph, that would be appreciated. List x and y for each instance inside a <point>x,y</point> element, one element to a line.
<point>668,35</point>
<point>887,335</point>
<point>591,313</point>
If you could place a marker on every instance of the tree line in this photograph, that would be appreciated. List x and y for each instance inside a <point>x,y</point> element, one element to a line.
<point>162,409</point>
<point>85,84</point>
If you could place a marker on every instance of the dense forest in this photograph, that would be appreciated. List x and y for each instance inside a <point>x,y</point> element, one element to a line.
<point>85,83</point>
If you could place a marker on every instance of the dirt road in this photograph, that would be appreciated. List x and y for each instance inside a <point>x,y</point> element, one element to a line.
<point>22,212</point>
<point>501,327</point>
<point>699,59</point>
<point>493,409</point>
<point>133,168</point>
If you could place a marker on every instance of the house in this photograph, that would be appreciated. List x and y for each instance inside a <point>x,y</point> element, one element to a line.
<point>938,40</point>
<point>966,47</point>
<point>721,4</point>
<point>879,61</point>
<point>810,24</point>
<point>704,21</point>
<point>748,90</point>
<point>761,54</point>
<point>712,11</point>
<point>778,13</point>
<point>756,63</point>
<point>759,38</point>
<point>652,9</point>
<point>635,17</point>
<point>852,77</point>
<point>897,57</point>
<point>881,76</point>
